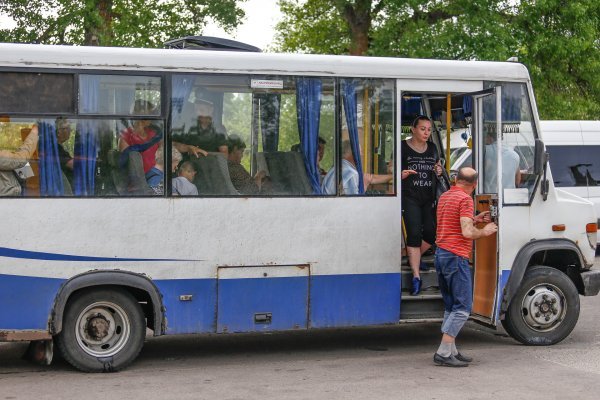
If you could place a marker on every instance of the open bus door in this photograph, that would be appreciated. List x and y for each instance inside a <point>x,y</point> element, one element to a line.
<point>487,120</point>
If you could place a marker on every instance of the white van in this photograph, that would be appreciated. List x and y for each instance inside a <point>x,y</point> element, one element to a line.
<point>574,148</point>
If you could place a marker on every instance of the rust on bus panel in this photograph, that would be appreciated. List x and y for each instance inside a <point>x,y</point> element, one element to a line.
<point>23,336</point>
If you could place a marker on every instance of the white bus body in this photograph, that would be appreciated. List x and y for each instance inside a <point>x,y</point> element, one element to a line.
<point>264,263</point>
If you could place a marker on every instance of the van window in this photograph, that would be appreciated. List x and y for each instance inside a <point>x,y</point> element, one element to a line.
<point>575,165</point>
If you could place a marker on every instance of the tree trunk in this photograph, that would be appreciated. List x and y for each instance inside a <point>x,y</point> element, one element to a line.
<point>98,23</point>
<point>358,17</point>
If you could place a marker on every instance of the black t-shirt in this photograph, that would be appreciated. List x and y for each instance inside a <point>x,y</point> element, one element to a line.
<point>208,139</point>
<point>419,186</point>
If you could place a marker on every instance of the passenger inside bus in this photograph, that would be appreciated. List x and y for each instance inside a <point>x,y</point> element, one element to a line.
<point>183,185</point>
<point>320,154</point>
<point>241,179</point>
<point>511,174</point>
<point>12,160</point>
<point>63,134</point>
<point>202,137</point>
<point>141,137</point>
<point>155,177</point>
<point>350,178</point>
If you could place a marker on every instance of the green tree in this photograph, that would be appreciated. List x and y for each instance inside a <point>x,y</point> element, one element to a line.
<point>559,43</point>
<point>135,23</point>
<point>409,28</point>
<point>556,40</point>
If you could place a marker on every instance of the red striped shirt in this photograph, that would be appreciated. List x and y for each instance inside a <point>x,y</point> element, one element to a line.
<point>453,205</point>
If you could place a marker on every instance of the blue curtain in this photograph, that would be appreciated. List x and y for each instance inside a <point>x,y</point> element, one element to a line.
<point>467,106</point>
<point>182,87</point>
<point>86,145</point>
<point>51,181</point>
<point>269,106</point>
<point>308,106</point>
<point>411,109</point>
<point>350,108</point>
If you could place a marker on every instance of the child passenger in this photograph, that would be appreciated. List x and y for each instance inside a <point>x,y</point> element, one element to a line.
<point>182,185</point>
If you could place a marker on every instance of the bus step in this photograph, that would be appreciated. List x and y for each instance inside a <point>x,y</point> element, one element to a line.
<point>429,279</point>
<point>406,296</point>
<point>422,306</point>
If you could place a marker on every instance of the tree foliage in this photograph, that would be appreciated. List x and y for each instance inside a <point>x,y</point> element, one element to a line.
<point>558,41</point>
<point>135,23</point>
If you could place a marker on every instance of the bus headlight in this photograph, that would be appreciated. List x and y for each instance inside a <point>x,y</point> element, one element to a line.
<point>592,234</point>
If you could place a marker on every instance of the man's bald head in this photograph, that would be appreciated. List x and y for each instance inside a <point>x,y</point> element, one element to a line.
<point>467,175</point>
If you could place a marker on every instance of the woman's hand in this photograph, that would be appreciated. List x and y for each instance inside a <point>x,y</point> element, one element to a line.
<point>407,172</point>
<point>437,168</point>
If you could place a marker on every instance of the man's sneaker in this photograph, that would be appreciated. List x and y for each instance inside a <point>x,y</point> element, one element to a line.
<point>416,286</point>
<point>463,358</point>
<point>450,361</point>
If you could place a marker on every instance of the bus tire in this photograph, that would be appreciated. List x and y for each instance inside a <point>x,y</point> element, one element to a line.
<point>545,308</point>
<point>103,330</point>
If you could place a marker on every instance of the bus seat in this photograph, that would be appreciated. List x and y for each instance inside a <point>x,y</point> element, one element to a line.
<point>212,176</point>
<point>131,181</point>
<point>287,172</point>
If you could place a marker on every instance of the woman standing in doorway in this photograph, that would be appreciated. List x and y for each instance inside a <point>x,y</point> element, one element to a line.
<point>419,163</point>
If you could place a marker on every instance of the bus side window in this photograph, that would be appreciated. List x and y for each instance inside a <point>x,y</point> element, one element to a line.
<point>367,137</point>
<point>268,124</point>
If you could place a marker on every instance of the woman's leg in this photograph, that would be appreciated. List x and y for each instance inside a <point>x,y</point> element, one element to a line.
<point>414,235</point>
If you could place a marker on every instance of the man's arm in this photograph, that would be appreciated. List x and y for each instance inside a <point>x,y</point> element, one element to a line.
<point>469,230</point>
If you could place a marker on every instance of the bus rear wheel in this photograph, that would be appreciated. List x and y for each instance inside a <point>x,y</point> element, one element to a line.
<point>103,330</point>
<point>544,310</point>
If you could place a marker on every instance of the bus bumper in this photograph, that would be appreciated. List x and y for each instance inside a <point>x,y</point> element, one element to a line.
<point>23,335</point>
<point>591,282</point>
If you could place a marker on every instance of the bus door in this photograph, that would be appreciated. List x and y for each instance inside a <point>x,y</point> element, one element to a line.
<point>487,129</point>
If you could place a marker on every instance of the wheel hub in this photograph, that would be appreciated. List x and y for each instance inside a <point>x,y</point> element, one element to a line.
<point>103,329</point>
<point>98,327</point>
<point>543,307</point>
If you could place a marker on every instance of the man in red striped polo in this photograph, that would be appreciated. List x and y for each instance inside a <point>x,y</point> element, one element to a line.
<point>455,234</point>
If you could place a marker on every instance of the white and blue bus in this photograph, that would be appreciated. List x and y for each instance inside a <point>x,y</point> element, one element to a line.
<point>91,254</point>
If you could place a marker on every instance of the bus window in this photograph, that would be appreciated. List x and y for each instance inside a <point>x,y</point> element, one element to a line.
<point>36,93</point>
<point>367,144</point>
<point>272,135</point>
<point>116,94</point>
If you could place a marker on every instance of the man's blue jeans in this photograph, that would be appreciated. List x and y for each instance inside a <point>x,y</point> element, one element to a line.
<point>454,278</point>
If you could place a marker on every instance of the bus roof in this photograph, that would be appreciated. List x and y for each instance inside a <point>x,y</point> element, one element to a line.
<point>119,58</point>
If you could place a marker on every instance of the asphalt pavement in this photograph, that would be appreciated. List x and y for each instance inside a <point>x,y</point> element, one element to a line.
<point>361,363</point>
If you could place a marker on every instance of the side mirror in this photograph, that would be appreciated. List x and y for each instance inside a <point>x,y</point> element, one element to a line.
<point>540,157</point>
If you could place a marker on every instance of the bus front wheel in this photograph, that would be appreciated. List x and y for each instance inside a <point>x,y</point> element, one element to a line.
<point>544,310</point>
<point>103,330</point>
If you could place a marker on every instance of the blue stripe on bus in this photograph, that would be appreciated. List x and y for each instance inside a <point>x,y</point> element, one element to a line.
<point>283,301</point>
<point>195,316</point>
<point>335,301</point>
<point>26,302</point>
<point>37,255</point>
<point>354,300</point>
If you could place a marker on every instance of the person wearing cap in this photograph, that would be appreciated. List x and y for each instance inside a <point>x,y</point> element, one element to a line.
<point>204,136</point>
<point>141,137</point>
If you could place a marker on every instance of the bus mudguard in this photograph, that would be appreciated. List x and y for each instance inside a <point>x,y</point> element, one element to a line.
<point>523,260</point>
<point>119,278</point>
